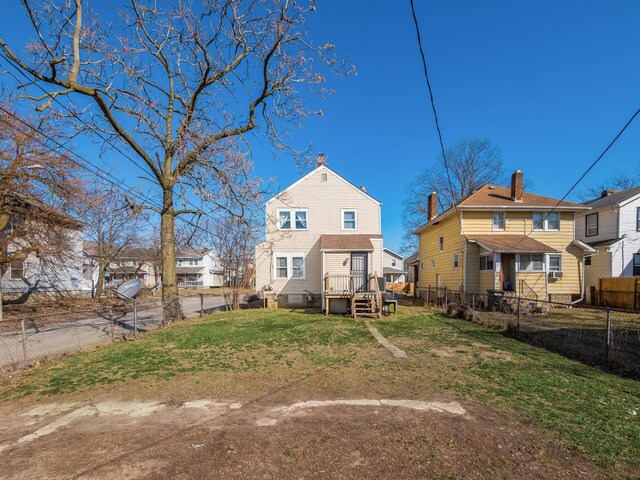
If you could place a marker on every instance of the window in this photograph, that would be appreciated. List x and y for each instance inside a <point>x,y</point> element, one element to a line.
<point>17,269</point>
<point>393,262</point>
<point>498,221</point>
<point>553,221</point>
<point>531,263</point>
<point>289,266</point>
<point>486,262</point>
<point>421,266</point>
<point>587,261</point>
<point>292,219</point>
<point>433,263</point>
<point>441,243</point>
<point>636,264</point>
<point>591,225</point>
<point>638,219</point>
<point>349,220</point>
<point>323,177</point>
<point>546,221</point>
<point>455,261</point>
<point>538,221</point>
<point>555,263</point>
<point>281,267</point>
<point>301,220</point>
<point>297,267</point>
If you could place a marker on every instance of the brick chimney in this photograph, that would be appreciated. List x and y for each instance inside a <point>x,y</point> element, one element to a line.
<point>322,160</point>
<point>608,193</point>
<point>432,206</point>
<point>516,186</point>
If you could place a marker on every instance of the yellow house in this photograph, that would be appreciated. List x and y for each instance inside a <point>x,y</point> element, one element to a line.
<point>501,238</point>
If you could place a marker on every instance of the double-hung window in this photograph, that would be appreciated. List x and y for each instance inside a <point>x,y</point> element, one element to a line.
<point>456,261</point>
<point>17,269</point>
<point>292,219</point>
<point>531,262</point>
<point>591,225</point>
<point>638,219</point>
<point>546,221</point>
<point>289,266</point>
<point>498,221</point>
<point>555,263</point>
<point>486,262</point>
<point>349,219</point>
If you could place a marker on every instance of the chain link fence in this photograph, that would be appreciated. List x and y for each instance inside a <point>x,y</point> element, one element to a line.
<point>29,338</point>
<point>597,336</point>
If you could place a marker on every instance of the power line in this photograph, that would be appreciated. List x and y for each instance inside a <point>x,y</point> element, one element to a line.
<point>433,106</point>
<point>130,192</point>
<point>584,174</point>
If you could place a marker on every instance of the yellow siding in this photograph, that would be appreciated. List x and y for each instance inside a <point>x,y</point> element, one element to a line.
<point>481,223</point>
<point>429,250</point>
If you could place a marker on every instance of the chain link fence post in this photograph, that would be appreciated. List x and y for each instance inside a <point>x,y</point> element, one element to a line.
<point>111,325</point>
<point>607,338</point>
<point>24,343</point>
<point>201,305</point>
<point>518,315</point>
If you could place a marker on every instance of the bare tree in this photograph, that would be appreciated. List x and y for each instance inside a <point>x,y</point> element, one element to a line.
<point>112,223</point>
<point>620,180</point>
<point>472,163</point>
<point>178,85</point>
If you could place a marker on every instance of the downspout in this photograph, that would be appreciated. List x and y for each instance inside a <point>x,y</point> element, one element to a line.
<point>581,284</point>
<point>464,271</point>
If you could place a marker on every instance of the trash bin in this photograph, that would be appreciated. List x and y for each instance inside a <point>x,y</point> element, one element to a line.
<point>494,299</point>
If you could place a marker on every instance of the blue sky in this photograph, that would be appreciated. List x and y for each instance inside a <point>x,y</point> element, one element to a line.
<point>550,83</point>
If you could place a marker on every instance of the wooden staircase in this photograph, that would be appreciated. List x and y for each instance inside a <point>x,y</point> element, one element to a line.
<point>362,304</point>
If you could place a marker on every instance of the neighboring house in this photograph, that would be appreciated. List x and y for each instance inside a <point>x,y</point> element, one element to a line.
<point>323,244</point>
<point>393,266</point>
<point>129,264</point>
<point>51,242</point>
<point>501,238</point>
<point>412,266</point>
<point>198,269</point>
<point>612,228</point>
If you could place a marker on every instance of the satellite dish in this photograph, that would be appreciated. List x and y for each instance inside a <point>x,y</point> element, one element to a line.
<point>129,289</point>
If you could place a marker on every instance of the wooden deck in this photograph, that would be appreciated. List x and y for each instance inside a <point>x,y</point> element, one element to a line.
<point>360,303</point>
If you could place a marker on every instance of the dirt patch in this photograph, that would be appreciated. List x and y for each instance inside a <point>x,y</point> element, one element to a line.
<point>339,439</point>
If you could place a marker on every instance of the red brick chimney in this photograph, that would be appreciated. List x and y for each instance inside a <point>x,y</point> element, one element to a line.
<point>322,160</point>
<point>432,206</point>
<point>516,186</point>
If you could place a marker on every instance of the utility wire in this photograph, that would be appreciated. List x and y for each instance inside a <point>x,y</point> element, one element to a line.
<point>584,174</point>
<point>433,106</point>
<point>115,184</point>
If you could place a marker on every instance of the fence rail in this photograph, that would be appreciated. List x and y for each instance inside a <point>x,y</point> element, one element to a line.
<point>594,335</point>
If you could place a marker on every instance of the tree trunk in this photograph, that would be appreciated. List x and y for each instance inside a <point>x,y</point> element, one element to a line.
<point>172,309</point>
<point>102,269</point>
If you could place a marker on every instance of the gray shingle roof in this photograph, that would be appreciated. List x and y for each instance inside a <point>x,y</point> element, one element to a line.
<point>613,199</point>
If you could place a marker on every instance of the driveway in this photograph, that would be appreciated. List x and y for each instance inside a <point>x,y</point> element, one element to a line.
<point>71,337</point>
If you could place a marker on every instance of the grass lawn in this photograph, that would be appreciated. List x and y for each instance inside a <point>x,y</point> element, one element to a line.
<point>586,409</point>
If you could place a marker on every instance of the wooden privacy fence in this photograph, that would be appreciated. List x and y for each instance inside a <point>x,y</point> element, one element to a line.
<point>621,292</point>
<point>406,288</point>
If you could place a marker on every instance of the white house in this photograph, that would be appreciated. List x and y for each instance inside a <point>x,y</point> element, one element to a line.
<point>393,266</point>
<point>612,227</point>
<point>323,244</point>
<point>52,245</point>
<point>198,269</point>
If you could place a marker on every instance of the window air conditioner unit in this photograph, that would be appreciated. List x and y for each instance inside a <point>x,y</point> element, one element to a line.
<point>555,274</point>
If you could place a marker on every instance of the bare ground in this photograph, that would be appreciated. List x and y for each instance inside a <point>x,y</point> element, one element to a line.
<point>235,426</point>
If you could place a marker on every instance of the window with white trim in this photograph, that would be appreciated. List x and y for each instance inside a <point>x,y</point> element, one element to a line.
<point>289,266</point>
<point>555,263</point>
<point>292,219</point>
<point>349,219</point>
<point>499,221</point>
<point>636,264</point>
<point>591,225</point>
<point>456,261</point>
<point>393,262</point>
<point>543,221</point>
<point>486,262</point>
<point>531,262</point>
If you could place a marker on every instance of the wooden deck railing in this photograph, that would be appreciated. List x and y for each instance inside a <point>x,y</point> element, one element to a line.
<point>334,283</point>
